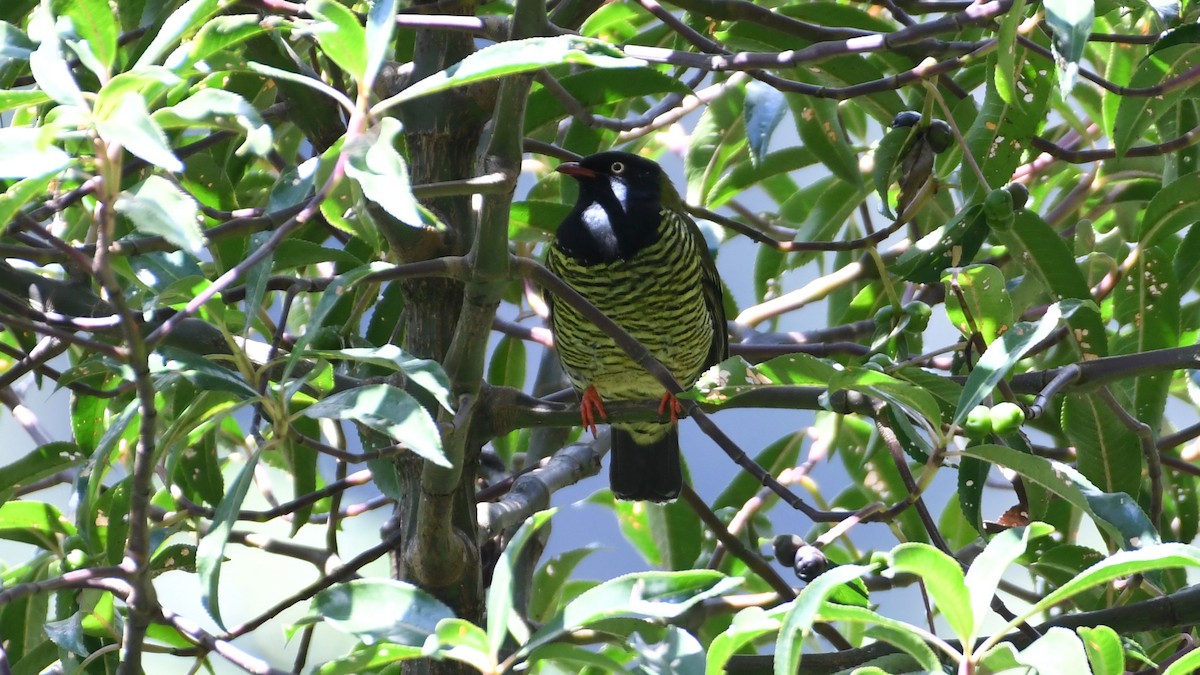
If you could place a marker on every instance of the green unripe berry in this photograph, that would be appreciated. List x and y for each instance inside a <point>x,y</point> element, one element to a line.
<point>76,559</point>
<point>998,209</point>
<point>884,316</point>
<point>1006,417</point>
<point>918,316</point>
<point>978,423</point>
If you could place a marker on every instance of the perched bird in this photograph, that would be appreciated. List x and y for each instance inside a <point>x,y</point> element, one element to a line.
<point>630,249</point>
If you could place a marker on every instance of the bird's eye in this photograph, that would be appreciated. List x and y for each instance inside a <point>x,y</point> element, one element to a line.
<point>617,167</point>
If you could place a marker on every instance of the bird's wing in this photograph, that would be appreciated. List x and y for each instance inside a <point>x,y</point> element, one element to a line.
<point>714,296</point>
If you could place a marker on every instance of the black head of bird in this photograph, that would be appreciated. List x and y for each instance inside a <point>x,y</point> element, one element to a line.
<point>616,215</point>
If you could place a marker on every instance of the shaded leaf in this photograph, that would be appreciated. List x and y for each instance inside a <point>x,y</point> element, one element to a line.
<point>158,207</point>
<point>390,411</point>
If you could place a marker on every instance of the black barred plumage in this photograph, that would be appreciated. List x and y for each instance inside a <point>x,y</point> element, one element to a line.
<point>630,249</point>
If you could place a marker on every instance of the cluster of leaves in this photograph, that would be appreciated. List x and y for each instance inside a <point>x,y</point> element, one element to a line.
<point>204,202</point>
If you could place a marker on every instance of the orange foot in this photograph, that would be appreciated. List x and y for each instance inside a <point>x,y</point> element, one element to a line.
<point>590,407</point>
<point>670,404</point>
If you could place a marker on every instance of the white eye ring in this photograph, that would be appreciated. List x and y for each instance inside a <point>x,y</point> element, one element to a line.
<point>617,167</point>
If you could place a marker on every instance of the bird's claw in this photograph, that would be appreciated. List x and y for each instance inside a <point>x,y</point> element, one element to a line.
<point>590,406</point>
<point>670,404</point>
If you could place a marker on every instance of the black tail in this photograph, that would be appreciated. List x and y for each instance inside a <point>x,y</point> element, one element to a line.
<point>648,472</point>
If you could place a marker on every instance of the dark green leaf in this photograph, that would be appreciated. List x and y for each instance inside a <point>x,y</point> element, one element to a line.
<point>158,207</point>
<point>390,411</point>
<point>210,554</point>
<point>341,36</point>
<point>987,300</point>
<point>1109,454</point>
<point>1000,357</point>
<point>1071,23</point>
<point>1116,514</point>
<point>380,609</point>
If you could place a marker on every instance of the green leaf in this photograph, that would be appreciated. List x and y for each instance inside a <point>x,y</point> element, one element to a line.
<point>48,65</point>
<point>122,115</point>
<point>19,98</point>
<point>747,626</point>
<point>501,619</point>
<point>463,641</point>
<point>1104,651</point>
<point>330,297</point>
<point>381,25</point>
<point>372,658</point>
<point>341,36</point>
<point>1116,514</point>
<point>215,37</point>
<point>14,44</point>
<point>907,396</point>
<point>944,581</point>
<point>1006,54</point>
<point>201,372</point>
<point>210,553</point>
<point>219,109</point>
<point>390,411</point>
<point>383,175</point>
<point>380,609</point>
<point>803,611</point>
<point>1146,306</point>
<point>1058,650</point>
<point>157,206</point>
<point>821,131</point>
<point>717,139</point>
<point>513,57</point>
<point>1176,52</point>
<point>36,523</point>
<point>28,152</point>
<point>191,15</point>
<point>1115,566</point>
<point>96,23</point>
<point>310,82</point>
<point>42,462</point>
<point>987,569</point>
<point>1000,357</point>
<point>551,579</point>
<point>1186,665</point>
<point>987,300</point>
<point>1047,259</point>
<point>575,658</point>
<point>1071,23</point>
<point>972,478</point>
<point>1002,131</point>
<point>952,244</point>
<point>1108,453</point>
<point>889,152</point>
<point>649,596</point>
<point>598,89</point>
<point>425,373</point>
<point>1171,209</point>
<point>880,627</point>
<point>773,169</point>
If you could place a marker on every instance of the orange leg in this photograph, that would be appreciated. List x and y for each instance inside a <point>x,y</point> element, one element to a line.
<point>590,407</point>
<point>670,404</point>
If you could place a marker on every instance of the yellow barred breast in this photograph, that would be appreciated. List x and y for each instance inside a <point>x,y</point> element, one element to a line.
<point>656,296</point>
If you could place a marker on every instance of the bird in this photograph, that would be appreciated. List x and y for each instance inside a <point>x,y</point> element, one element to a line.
<point>629,247</point>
